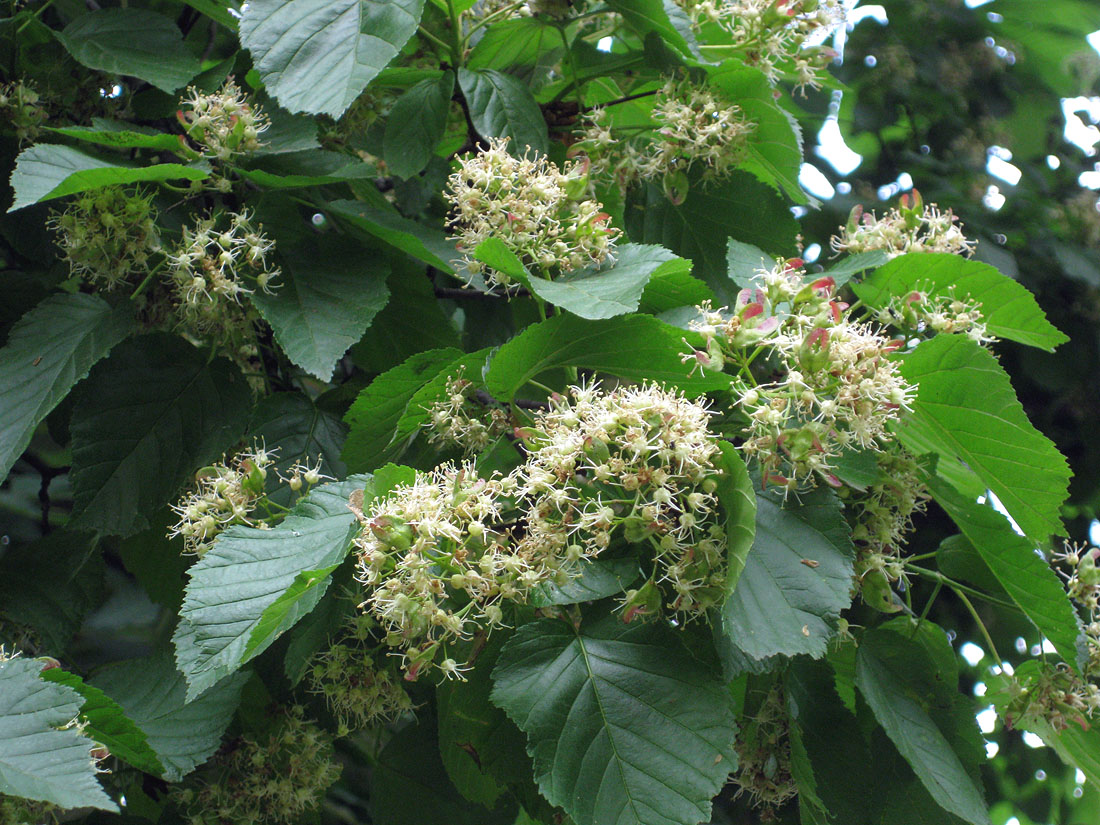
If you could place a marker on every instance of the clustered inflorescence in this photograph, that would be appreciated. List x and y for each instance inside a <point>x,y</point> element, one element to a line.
<point>540,212</point>
<point>764,755</point>
<point>441,557</point>
<point>458,418</point>
<point>223,124</point>
<point>692,126</point>
<point>913,227</point>
<point>782,38</point>
<point>920,312</point>
<point>21,109</point>
<point>108,236</point>
<point>837,388</point>
<point>264,780</point>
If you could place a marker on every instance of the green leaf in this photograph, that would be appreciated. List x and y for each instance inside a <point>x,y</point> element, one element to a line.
<point>623,724</point>
<point>328,295</point>
<point>1012,559</point>
<point>304,586</point>
<point>774,147</point>
<point>424,244</point>
<point>247,571</point>
<point>596,579</point>
<point>317,56</point>
<point>48,170</point>
<point>105,40</point>
<point>517,44</point>
<point>902,708</point>
<point>416,411</point>
<point>502,106</point>
<point>415,125</point>
<point>374,416</point>
<point>291,424</point>
<point>738,500</point>
<point>797,578</point>
<point>699,227</point>
<point>966,411</point>
<point>120,139</point>
<point>495,253</point>
<point>49,349</point>
<point>634,347</point>
<point>107,723</point>
<point>147,417</point>
<point>409,770</point>
<point>646,16</point>
<point>41,755</point>
<point>854,264</point>
<point>1008,309</point>
<point>154,694</point>
<point>745,261</point>
<point>612,289</point>
<point>670,289</point>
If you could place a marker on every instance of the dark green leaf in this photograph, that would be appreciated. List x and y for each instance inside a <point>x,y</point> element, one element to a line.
<point>107,723</point>
<point>49,349</point>
<point>247,571</point>
<point>146,419</point>
<point>671,289</point>
<point>424,244</point>
<point>42,756</point>
<point>646,16</point>
<point>623,724</point>
<point>1008,309</point>
<point>105,40</point>
<point>797,578</point>
<point>612,289</point>
<point>502,106</point>
<point>635,347</point>
<point>416,124</point>
<point>154,694</point>
<point>902,708</point>
<point>596,579</point>
<point>966,411</point>
<point>48,170</point>
<point>328,295</point>
<point>317,56</point>
<point>374,416</point>
<point>854,264</point>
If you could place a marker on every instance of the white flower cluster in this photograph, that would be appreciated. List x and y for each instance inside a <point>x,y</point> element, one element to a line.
<point>457,420</point>
<point>639,459</point>
<point>224,123</point>
<point>780,37</point>
<point>540,212</point>
<point>911,228</point>
<point>692,125</point>
<point>1080,569</point>
<point>108,235</point>
<point>212,267</point>
<point>837,388</point>
<point>438,557</point>
<point>225,494</point>
<point>919,312</point>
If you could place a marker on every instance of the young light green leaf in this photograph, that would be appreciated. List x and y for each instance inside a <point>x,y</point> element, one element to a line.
<point>635,347</point>
<point>49,170</point>
<point>107,723</point>
<point>416,124</point>
<point>146,418</point>
<point>1011,558</point>
<point>417,240</point>
<point>120,139</point>
<point>49,349</point>
<point>502,106</point>
<point>329,293</point>
<point>494,253</point>
<point>854,264</point>
<point>796,579</point>
<point>902,710</point>
<point>1008,309</point>
<point>966,411</point>
<point>614,711</point>
<point>373,417</point>
<point>43,756</point>
<point>154,695</point>
<point>249,570</point>
<point>317,56</point>
<point>105,40</point>
<point>271,620</point>
<point>612,289</point>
